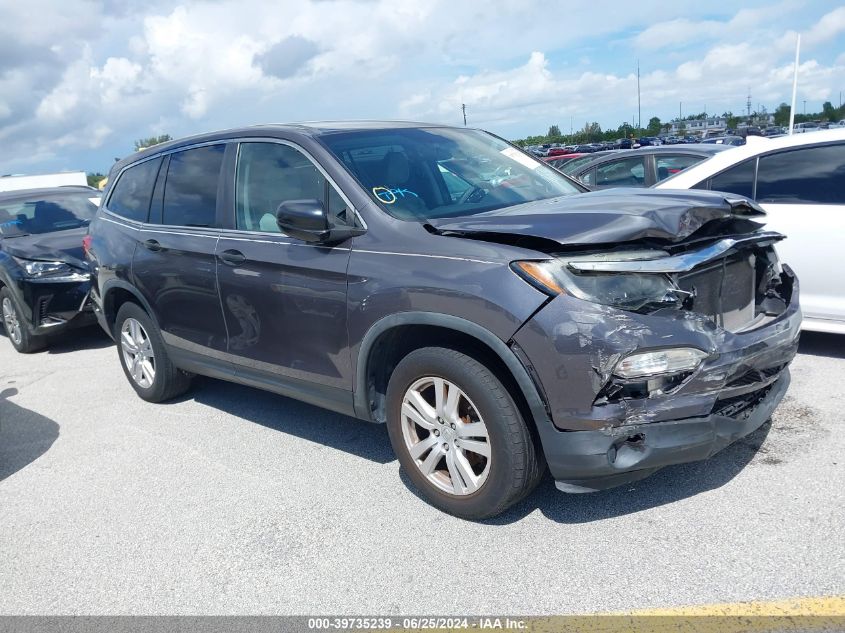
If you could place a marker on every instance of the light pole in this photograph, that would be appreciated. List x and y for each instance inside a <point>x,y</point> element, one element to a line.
<point>805,106</point>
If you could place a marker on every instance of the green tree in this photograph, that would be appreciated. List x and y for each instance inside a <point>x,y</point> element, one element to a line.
<point>782,114</point>
<point>94,179</point>
<point>554,132</point>
<point>144,143</point>
<point>828,111</point>
<point>654,126</point>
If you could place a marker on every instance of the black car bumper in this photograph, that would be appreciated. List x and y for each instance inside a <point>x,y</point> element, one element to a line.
<point>50,306</point>
<point>601,436</point>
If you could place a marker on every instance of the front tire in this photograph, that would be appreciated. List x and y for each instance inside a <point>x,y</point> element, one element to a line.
<point>459,435</point>
<point>144,357</point>
<point>21,338</point>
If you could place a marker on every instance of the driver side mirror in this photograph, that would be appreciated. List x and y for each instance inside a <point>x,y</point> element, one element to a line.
<point>308,221</point>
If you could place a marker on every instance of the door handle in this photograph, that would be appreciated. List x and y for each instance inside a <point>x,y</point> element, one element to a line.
<point>152,245</point>
<point>232,257</point>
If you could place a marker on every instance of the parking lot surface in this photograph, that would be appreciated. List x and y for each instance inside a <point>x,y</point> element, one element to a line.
<point>231,500</point>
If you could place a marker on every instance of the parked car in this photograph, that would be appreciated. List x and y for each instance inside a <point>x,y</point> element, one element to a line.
<point>559,161</point>
<point>808,126</point>
<point>800,182</point>
<point>640,168</point>
<point>44,279</point>
<point>511,326</point>
<point>573,165</point>
<point>724,140</point>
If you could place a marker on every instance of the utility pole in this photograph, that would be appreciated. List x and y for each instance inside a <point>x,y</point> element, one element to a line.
<point>680,110</point>
<point>464,110</point>
<point>805,106</point>
<point>639,108</point>
<point>748,102</point>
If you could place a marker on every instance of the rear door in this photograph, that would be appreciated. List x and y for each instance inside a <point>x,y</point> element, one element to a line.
<point>803,192</point>
<point>285,299</point>
<point>174,264</point>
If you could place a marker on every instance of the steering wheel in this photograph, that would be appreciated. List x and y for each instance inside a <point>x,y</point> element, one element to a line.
<point>472,195</point>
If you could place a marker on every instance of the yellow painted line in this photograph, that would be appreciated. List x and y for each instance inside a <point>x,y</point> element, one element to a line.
<point>815,606</point>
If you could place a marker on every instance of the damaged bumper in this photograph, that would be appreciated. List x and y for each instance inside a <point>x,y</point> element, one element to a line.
<point>605,431</point>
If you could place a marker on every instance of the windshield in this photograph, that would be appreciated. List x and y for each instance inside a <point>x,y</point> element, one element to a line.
<point>56,213</point>
<point>424,173</point>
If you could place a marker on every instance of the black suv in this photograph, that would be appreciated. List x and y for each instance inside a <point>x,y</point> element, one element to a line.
<point>442,281</point>
<point>44,280</point>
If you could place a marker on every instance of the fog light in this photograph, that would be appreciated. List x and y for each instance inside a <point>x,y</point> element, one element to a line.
<point>663,361</point>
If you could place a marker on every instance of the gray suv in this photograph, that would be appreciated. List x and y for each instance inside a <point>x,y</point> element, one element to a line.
<point>498,319</point>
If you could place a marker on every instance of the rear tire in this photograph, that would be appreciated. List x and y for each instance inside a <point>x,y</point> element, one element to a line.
<point>487,458</point>
<point>143,356</point>
<point>15,325</point>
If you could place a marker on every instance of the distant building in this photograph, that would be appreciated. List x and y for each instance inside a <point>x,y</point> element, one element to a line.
<point>700,126</point>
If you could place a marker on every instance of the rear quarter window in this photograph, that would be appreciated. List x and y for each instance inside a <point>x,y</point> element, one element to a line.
<point>131,194</point>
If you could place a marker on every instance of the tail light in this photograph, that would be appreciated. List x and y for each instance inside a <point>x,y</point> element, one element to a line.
<point>86,244</point>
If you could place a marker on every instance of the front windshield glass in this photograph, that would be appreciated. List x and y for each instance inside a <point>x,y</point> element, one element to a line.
<point>56,213</point>
<point>424,173</point>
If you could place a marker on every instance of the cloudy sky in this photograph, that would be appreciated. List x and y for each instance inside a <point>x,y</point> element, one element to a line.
<point>80,80</point>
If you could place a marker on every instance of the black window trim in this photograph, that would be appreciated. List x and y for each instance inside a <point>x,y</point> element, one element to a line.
<point>278,141</point>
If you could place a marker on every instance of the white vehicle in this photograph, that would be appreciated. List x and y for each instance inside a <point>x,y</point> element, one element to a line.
<point>800,182</point>
<point>43,181</point>
<point>809,126</point>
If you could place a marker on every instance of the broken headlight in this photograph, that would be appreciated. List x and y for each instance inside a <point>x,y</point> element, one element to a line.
<point>628,291</point>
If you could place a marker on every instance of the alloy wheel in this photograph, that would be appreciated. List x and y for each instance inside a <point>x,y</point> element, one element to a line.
<point>10,319</point>
<point>445,436</point>
<point>137,353</point>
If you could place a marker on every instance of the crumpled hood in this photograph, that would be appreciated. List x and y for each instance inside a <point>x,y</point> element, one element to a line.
<point>60,246</point>
<point>606,217</point>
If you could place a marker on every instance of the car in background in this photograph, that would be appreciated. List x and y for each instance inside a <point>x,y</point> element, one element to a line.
<point>807,126</point>
<point>44,279</point>
<point>572,166</point>
<point>800,182</point>
<point>640,167</point>
<point>724,140</point>
<point>559,161</point>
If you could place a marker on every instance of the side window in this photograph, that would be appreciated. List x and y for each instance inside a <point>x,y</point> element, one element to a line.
<point>627,172</point>
<point>588,177</point>
<point>812,174</point>
<point>190,191</point>
<point>271,173</point>
<point>670,164</point>
<point>738,179</point>
<point>130,197</point>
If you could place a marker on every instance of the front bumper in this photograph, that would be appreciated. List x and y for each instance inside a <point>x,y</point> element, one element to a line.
<point>52,306</point>
<point>598,440</point>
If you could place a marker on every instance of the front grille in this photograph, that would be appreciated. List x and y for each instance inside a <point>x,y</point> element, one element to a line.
<point>723,291</point>
<point>753,376</point>
<point>740,406</point>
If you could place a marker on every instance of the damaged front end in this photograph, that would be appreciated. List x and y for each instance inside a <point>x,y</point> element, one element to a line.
<point>658,355</point>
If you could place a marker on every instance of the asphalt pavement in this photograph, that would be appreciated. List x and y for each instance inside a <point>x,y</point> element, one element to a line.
<point>235,501</point>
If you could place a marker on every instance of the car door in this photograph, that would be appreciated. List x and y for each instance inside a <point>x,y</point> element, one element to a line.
<point>174,264</point>
<point>803,193</point>
<point>284,299</point>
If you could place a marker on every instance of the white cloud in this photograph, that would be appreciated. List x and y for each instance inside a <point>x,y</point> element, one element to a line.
<point>82,74</point>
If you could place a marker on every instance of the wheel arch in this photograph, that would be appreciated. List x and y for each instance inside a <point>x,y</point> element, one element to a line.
<point>393,337</point>
<point>115,294</point>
